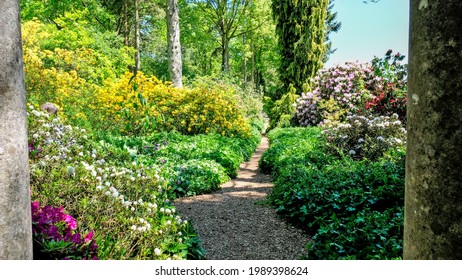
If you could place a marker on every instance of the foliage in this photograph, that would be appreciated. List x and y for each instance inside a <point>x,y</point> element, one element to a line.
<point>301,30</point>
<point>365,137</point>
<point>126,203</point>
<point>353,209</point>
<point>198,177</point>
<point>250,98</point>
<point>291,146</point>
<point>389,88</point>
<point>337,91</point>
<point>281,111</point>
<point>378,88</point>
<point>55,236</point>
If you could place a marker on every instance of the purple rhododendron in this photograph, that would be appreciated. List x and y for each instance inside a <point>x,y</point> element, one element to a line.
<point>340,83</point>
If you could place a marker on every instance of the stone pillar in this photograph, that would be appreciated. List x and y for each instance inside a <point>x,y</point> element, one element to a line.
<point>433,202</point>
<point>15,212</point>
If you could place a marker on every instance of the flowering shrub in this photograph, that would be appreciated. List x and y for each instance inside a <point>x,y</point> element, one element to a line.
<point>389,100</point>
<point>125,201</point>
<point>388,88</point>
<point>145,104</point>
<point>68,72</point>
<point>337,91</point>
<point>365,137</point>
<point>378,88</point>
<point>55,236</point>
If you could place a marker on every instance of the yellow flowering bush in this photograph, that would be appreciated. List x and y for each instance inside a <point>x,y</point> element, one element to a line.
<point>143,103</point>
<point>67,72</point>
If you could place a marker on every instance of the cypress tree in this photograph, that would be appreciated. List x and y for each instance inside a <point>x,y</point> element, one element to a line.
<point>301,29</point>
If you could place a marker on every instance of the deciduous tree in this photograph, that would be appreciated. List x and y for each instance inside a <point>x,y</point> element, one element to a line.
<point>174,46</point>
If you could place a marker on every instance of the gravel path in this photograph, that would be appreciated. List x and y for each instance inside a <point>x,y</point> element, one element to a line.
<point>233,225</point>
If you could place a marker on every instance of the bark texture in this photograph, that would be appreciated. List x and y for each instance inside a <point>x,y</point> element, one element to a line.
<point>137,37</point>
<point>433,203</point>
<point>15,212</point>
<point>174,46</point>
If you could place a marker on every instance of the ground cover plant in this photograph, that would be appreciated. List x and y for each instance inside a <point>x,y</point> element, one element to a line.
<point>353,209</point>
<point>192,165</point>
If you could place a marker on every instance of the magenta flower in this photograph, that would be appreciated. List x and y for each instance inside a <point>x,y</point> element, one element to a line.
<point>51,224</point>
<point>70,221</point>
<point>89,236</point>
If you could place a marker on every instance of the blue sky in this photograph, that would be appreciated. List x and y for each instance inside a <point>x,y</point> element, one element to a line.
<point>369,30</point>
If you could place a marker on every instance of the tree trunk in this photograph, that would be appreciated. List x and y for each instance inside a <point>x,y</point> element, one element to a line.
<point>244,63</point>
<point>252,50</point>
<point>15,210</point>
<point>224,54</point>
<point>137,37</point>
<point>433,202</point>
<point>174,47</point>
<point>125,21</point>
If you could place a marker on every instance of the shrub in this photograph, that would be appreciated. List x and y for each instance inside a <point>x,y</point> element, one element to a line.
<point>198,177</point>
<point>145,104</point>
<point>280,112</point>
<point>69,72</point>
<point>353,209</point>
<point>365,137</point>
<point>291,146</point>
<point>378,88</point>
<point>55,236</point>
<point>337,91</point>
<point>389,88</point>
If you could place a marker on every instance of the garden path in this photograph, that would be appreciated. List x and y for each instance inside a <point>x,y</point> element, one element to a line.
<point>233,223</point>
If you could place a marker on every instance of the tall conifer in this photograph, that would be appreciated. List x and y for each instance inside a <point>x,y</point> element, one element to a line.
<point>301,29</point>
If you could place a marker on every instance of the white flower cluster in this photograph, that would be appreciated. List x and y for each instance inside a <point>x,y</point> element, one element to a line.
<point>366,136</point>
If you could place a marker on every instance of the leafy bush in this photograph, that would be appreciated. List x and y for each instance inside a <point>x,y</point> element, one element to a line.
<point>191,165</point>
<point>197,177</point>
<point>280,112</point>
<point>68,72</point>
<point>353,209</point>
<point>55,236</point>
<point>378,88</point>
<point>365,137</point>
<point>292,146</point>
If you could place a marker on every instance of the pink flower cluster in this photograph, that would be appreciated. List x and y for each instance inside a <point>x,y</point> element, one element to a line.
<point>51,226</point>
